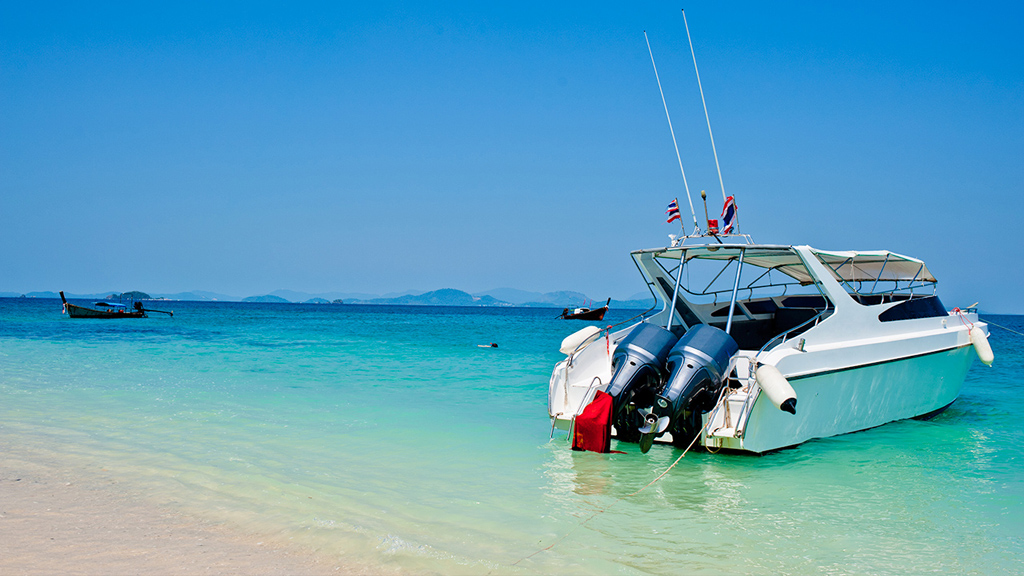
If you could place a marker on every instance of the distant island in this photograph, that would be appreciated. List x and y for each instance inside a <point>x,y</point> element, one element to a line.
<point>268,299</point>
<point>443,297</point>
<point>499,297</point>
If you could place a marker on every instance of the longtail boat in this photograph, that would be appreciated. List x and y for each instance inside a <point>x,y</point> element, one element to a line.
<point>586,313</point>
<point>107,310</point>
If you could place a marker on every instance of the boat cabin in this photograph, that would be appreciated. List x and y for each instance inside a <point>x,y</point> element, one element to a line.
<point>779,292</point>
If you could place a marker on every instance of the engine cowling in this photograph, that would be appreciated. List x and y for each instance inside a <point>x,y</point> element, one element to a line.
<point>697,367</point>
<point>638,366</point>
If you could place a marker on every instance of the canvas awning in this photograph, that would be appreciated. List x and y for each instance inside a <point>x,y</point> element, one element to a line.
<point>848,266</point>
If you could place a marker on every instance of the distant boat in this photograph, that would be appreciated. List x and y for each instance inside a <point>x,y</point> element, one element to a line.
<point>107,310</point>
<point>585,313</point>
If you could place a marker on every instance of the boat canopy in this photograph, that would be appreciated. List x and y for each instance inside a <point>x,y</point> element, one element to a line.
<point>109,304</point>
<point>846,266</point>
<point>875,264</point>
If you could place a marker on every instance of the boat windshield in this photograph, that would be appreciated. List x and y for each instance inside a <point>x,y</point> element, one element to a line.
<point>709,273</point>
<point>775,293</point>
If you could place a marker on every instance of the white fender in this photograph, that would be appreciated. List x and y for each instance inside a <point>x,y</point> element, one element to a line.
<point>775,385</point>
<point>981,346</point>
<point>573,341</point>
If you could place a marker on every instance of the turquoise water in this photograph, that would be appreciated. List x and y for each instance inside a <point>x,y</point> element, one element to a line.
<point>384,436</point>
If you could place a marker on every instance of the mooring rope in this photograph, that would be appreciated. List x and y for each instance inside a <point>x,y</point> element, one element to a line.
<point>648,485</point>
<point>660,476</point>
<point>991,323</point>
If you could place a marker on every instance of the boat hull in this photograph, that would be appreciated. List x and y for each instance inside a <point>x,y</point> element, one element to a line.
<point>83,312</point>
<point>597,314</point>
<point>853,399</point>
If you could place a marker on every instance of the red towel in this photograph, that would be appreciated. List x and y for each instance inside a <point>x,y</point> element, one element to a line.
<point>593,430</point>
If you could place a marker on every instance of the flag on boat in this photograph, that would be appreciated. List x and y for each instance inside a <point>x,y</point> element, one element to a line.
<point>728,215</point>
<point>673,211</point>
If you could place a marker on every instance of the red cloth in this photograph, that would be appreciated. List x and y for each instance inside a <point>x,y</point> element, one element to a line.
<point>593,429</point>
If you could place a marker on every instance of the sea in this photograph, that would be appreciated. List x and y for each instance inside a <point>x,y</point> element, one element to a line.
<point>387,437</point>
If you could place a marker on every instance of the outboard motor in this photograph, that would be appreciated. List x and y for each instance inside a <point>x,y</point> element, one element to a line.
<point>637,370</point>
<point>696,366</point>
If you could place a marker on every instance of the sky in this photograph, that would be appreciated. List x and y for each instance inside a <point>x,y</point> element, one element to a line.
<point>378,147</point>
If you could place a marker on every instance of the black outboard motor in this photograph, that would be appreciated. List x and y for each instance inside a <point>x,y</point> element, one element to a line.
<point>638,367</point>
<point>697,365</point>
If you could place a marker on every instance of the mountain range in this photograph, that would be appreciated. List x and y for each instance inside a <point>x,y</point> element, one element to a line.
<point>444,297</point>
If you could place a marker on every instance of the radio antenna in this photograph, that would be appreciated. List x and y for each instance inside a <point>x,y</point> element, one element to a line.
<point>681,171</point>
<point>706,117</point>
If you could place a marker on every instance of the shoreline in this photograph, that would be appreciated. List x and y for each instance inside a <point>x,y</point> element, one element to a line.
<point>56,519</point>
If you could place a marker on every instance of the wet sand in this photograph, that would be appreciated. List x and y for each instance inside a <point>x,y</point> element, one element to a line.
<point>56,520</point>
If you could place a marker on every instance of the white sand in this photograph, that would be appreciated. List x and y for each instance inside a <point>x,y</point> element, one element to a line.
<point>55,520</point>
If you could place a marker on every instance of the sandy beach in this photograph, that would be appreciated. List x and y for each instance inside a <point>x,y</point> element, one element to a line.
<point>56,520</point>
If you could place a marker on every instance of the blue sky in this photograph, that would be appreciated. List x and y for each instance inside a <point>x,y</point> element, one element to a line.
<point>375,147</point>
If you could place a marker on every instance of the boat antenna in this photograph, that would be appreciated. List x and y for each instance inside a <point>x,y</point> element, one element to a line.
<point>713,233</point>
<point>696,227</point>
<point>704,197</point>
<point>706,117</point>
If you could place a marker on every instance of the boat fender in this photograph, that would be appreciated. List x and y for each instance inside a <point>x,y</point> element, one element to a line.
<point>574,340</point>
<point>981,346</point>
<point>776,387</point>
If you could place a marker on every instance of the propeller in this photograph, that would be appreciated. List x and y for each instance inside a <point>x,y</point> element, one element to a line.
<point>653,427</point>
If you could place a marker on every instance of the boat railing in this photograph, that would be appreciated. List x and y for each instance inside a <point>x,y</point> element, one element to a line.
<point>642,316</point>
<point>765,288</point>
<point>650,288</point>
<point>781,338</point>
<point>752,389</point>
<point>748,403</point>
<point>702,238</point>
<point>743,383</point>
<point>583,404</point>
<point>912,283</point>
<point>610,328</point>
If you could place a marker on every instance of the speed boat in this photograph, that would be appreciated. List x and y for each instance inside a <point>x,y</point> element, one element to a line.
<point>760,347</point>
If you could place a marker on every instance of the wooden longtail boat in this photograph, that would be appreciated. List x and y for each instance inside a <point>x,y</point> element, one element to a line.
<point>107,310</point>
<point>586,313</point>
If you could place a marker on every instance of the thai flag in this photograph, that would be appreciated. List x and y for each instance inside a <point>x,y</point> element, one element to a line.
<point>673,211</point>
<point>728,215</point>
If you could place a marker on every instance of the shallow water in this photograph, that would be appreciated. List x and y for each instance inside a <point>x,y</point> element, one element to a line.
<point>384,435</point>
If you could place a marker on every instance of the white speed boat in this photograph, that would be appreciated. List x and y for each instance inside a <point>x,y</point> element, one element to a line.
<point>761,347</point>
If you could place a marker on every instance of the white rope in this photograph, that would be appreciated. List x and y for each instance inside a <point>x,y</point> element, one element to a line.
<point>648,485</point>
<point>694,441</point>
<point>991,323</point>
